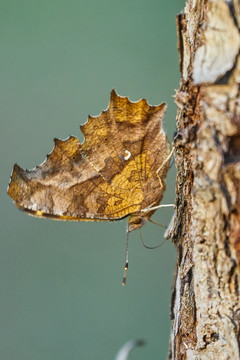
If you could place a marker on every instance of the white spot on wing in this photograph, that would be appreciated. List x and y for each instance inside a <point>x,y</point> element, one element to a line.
<point>127,155</point>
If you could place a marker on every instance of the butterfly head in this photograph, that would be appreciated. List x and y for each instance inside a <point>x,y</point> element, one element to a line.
<point>136,222</point>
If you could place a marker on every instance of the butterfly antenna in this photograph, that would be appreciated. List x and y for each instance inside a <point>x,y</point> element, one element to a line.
<point>150,247</point>
<point>126,262</point>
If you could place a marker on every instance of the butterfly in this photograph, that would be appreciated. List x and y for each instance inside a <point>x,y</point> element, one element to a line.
<point>118,170</point>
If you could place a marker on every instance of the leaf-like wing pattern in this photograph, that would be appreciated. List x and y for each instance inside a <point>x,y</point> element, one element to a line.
<point>111,175</point>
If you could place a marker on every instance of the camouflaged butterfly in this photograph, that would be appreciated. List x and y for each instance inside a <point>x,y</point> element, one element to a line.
<point>118,171</point>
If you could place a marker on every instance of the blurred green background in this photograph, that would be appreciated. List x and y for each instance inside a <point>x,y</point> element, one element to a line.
<point>61,293</point>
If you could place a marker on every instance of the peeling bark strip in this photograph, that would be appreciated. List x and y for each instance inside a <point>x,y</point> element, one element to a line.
<point>206,306</point>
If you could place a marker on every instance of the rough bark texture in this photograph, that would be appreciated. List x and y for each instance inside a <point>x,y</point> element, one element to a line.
<point>206,228</point>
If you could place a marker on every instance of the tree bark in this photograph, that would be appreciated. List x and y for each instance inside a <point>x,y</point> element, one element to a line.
<point>205,305</point>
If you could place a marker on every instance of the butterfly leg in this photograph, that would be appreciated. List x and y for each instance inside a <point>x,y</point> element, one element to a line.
<point>162,165</point>
<point>157,207</point>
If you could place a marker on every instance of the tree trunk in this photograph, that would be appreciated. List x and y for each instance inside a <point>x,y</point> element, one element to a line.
<point>205,306</point>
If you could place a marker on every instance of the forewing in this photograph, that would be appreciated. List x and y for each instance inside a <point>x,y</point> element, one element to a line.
<point>105,178</point>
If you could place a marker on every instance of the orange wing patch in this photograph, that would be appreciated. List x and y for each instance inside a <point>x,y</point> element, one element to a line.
<point>113,174</point>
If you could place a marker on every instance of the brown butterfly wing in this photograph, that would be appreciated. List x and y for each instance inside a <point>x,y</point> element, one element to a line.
<point>111,175</point>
